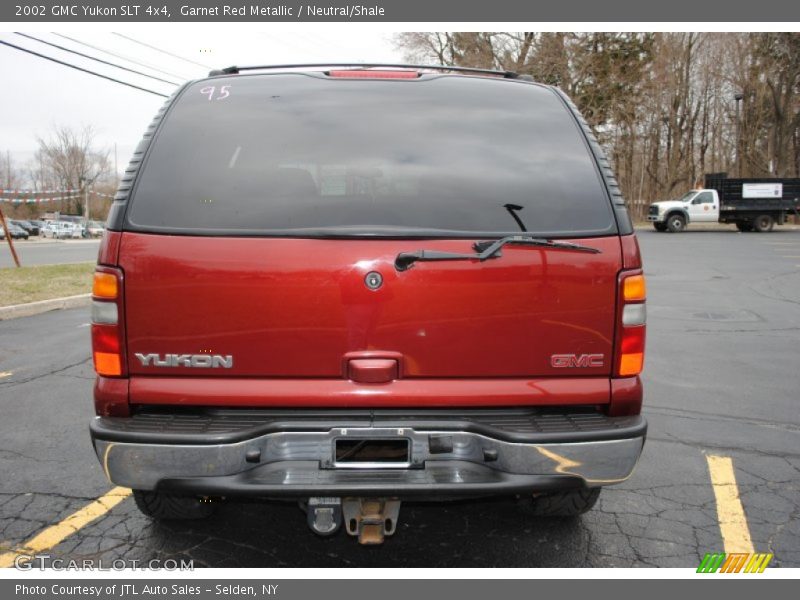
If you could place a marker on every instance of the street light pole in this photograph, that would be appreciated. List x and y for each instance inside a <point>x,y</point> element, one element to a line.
<point>738,96</point>
<point>84,184</point>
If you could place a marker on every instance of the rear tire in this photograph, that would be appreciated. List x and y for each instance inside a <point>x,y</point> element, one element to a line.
<point>568,503</point>
<point>763,223</point>
<point>660,226</point>
<point>161,506</point>
<point>676,223</point>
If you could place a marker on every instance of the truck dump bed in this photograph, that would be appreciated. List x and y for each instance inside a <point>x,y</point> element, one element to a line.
<point>759,193</point>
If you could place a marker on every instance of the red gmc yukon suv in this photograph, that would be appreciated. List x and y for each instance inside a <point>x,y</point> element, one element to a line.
<point>355,286</point>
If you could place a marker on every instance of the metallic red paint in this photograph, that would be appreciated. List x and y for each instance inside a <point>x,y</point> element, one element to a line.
<point>111,397</point>
<point>372,370</point>
<point>341,393</point>
<point>109,248</point>
<point>295,307</point>
<point>626,397</point>
<point>631,257</point>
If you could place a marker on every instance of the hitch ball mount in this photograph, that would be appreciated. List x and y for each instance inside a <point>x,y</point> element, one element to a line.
<point>369,519</point>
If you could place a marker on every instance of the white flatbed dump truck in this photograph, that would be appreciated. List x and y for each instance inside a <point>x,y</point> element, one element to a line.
<point>750,204</point>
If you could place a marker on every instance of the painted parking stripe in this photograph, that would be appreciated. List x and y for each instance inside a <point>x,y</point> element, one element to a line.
<point>54,535</point>
<point>730,513</point>
<point>5,374</point>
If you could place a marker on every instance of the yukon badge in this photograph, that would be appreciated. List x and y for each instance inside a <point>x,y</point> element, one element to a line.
<point>197,361</point>
<point>574,360</point>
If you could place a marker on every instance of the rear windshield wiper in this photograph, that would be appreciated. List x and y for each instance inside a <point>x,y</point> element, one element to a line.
<point>484,250</point>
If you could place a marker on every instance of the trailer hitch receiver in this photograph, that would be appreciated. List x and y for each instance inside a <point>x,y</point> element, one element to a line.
<point>371,519</point>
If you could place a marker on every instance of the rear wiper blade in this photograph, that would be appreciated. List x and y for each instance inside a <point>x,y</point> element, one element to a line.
<point>492,246</point>
<point>485,250</point>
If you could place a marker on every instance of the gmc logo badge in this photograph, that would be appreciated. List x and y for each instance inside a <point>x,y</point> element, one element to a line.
<point>561,361</point>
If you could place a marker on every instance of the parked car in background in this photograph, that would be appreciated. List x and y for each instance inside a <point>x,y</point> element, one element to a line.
<point>74,230</point>
<point>95,229</point>
<point>27,226</point>
<point>47,229</point>
<point>17,233</point>
<point>61,230</point>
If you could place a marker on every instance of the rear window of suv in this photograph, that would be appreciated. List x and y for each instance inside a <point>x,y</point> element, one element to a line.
<point>306,155</point>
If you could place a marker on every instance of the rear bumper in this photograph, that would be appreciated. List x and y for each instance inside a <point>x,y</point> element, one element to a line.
<point>489,452</point>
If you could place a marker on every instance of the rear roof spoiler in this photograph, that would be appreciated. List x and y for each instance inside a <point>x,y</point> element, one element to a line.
<point>234,70</point>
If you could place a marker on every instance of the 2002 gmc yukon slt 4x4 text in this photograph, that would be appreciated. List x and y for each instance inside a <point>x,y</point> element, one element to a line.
<point>354,286</point>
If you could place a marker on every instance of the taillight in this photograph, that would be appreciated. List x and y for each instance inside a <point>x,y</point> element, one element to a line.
<point>107,333</point>
<point>105,286</point>
<point>631,325</point>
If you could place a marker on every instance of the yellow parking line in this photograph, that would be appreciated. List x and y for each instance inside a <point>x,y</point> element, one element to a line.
<point>5,374</point>
<point>54,535</point>
<point>730,514</point>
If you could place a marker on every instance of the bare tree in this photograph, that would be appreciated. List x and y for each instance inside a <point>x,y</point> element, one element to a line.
<point>664,105</point>
<point>9,175</point>
<point>486,50</point>
<point>778,54</point>
<point>69,159</point>
<point>421,47</point>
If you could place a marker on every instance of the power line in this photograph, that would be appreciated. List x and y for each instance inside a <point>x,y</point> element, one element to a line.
<point>100,60</point>
<point>160,50</point>
<point>66,64</point>
<point>120,56</point>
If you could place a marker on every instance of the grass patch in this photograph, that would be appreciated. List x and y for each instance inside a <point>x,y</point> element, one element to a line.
<point>29,284</point>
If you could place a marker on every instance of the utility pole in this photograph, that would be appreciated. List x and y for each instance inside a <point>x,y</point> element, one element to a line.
<point>8,237</point>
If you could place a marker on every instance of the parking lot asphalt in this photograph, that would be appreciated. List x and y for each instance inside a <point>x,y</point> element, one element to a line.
<point>721,380</point>
<point>49,252</point>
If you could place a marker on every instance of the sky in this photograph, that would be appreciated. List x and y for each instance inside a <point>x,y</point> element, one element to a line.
<point>39,95</point>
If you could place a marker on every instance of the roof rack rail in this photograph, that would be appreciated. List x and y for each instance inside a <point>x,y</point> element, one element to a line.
<point>235,70</point>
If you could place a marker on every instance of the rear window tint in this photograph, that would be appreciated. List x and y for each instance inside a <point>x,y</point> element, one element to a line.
<point>298,154</point>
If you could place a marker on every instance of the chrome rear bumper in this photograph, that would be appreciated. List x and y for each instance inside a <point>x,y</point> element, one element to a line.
<point>455,458</point>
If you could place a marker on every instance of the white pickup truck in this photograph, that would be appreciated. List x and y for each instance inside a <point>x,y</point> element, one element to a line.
<point>750,205</point>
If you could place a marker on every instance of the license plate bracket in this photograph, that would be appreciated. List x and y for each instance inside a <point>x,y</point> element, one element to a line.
<point>371,452</point>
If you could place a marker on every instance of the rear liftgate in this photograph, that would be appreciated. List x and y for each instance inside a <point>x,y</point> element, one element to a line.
<point>370,519</point>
